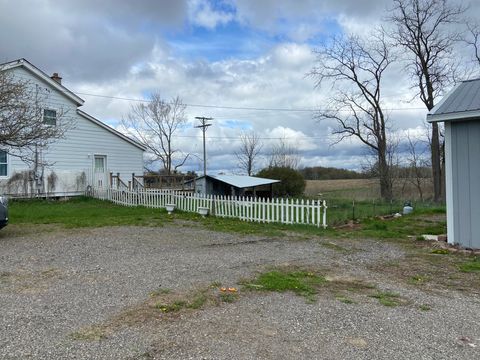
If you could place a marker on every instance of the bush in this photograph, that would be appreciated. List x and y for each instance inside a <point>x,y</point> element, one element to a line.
<point>292,181</point>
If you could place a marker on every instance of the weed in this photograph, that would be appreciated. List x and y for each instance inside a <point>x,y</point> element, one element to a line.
<point>162,291</point>
<point>228,297</point>
<point>470,266</point>
<point>300,282</point>
<point>173,307</point>
<point>441,251</point>
<point>215,284</point>
<point>425,307</point>
<point>386,298</point>
<point>198,301</point>
<point>344,299</point>
<point>418,279</point>
<point>89,334</point>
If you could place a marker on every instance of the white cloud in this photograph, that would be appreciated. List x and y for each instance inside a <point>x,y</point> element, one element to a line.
<point>202,14</point>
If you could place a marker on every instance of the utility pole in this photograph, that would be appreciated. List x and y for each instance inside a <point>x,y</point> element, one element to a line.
<point>204,125</point>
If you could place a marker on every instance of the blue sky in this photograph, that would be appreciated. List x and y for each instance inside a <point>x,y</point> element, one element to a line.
<point>245,54</point>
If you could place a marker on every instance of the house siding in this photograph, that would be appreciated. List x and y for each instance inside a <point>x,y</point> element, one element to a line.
<point>70,160</point>
<point>464,182</point>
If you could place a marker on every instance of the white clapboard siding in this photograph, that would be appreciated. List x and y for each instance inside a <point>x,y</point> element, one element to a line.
<point>285,211</point>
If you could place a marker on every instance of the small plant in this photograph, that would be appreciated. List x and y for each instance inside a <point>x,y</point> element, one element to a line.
<point>441,251</point>
<point>215,284</point>
<point>228,297</point>
<point>344,299</point>
<point>168,308</point>
<point>425,307</point>
<point>162,291</point>
<point>89,334</point>
<point>198,301</point>
<point>386,298</point>
<point>300,282</point>
<point>418,279</point>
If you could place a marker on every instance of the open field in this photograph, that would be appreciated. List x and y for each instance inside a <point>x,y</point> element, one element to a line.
<point>355,199</point>
<point>365,189</point>
<point>78,288</point>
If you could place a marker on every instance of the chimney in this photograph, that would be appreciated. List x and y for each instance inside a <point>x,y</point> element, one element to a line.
<point>56,78</point>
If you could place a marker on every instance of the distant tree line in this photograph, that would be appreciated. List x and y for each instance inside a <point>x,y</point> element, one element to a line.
<point>330,173</point>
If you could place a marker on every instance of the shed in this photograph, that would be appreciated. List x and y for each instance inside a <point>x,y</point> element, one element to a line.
<point>460,111</point>
<point>234,185</point>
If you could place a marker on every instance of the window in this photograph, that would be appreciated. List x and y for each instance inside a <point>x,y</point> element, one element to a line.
<point>49,117</point>
<point>3,163</point>
<point>99,164</point>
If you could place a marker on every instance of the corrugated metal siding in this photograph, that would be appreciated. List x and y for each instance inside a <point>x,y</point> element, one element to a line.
<point>466,182</point>
<point>466,97</point>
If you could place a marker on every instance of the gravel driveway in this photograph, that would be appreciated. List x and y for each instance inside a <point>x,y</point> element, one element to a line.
<point>54,283</point>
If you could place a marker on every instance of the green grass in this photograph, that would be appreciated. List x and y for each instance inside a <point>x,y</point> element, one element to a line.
<point>302,283</point>
<point>470,266</point>
<point>88,212</point>
<point>387,298</point>
<point>82,212</point>
<point>342,210</point>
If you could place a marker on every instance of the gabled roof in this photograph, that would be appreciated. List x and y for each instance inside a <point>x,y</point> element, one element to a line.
<point>242,181</point>
<point>43,76</point>
<point>461,103</point>
<point>108,128</point>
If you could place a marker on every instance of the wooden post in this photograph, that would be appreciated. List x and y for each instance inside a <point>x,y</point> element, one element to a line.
<point>118,180</point>
<point>133,181</point>
<point>111,179</point>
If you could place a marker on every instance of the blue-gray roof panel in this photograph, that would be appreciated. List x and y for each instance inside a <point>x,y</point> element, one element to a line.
<point>465,97</point>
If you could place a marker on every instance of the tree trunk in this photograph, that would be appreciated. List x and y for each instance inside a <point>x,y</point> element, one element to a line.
<point>386,191</point>
<point>436,166</point>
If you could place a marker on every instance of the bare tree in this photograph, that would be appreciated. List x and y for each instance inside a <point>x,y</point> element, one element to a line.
<point>284,154</point>
<point>473,40</point>
<point>154,124</point>
<point>25,123</point>
<point>417,163</point>
<point>356,68</point>
<point>248,152</point>
<point>423,29</point>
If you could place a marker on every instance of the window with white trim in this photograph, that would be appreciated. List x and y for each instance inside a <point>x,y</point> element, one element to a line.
<point>49,117</point>
<point>3,163</point>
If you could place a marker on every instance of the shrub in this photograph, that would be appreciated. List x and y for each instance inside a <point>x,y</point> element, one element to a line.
<point>292,181</point>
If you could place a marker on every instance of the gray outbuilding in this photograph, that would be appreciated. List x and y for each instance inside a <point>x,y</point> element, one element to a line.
<point>460,111</point>
<point>234,185</point>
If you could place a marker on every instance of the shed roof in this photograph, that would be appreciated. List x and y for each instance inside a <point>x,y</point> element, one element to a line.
<point>461,103</point>
<point>242,181</point>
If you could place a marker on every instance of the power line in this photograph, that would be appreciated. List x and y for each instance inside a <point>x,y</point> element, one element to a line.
<point>241,107</point>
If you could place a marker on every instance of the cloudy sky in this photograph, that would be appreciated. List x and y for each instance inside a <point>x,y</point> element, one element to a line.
<point>242,62</point>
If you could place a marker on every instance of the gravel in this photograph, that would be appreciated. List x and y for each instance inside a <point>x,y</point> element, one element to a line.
<point>54,283</point>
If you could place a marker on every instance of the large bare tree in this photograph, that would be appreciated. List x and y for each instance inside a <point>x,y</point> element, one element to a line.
<point>423,28</point>
<point>24,125</point>
<point>472,38</point>
<point>248,152</point>
<point>284,154</point>
<point>356,67</point>
<point>154,124</point>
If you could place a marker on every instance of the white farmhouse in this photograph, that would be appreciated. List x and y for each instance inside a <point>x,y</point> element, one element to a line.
<point>86,155</point>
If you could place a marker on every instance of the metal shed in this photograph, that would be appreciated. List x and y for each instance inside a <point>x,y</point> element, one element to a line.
<point>234,185</point>
<point>460,110</point>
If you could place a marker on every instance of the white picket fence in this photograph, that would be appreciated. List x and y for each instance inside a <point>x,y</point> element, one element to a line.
<point>285,211</point>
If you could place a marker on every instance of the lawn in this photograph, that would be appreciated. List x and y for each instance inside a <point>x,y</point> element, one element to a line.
<point>88,212</point>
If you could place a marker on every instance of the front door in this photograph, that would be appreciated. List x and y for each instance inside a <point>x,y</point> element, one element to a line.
<point>100,171</point>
